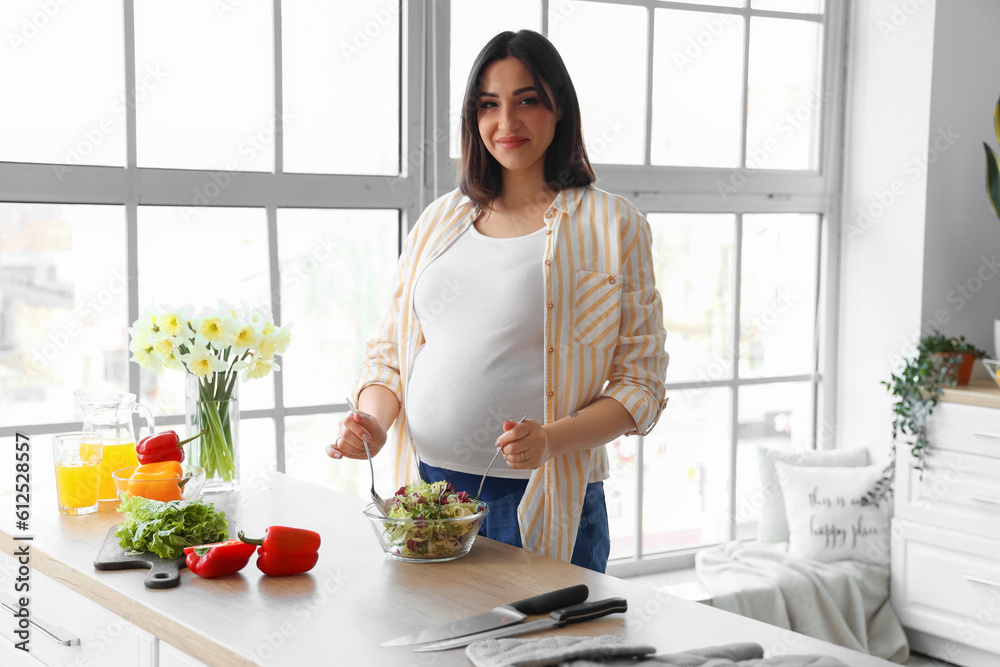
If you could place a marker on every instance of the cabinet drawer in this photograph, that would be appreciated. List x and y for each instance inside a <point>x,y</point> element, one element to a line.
<point>95,635</point>
<point>958,490</point>
<point>947,583</point>
<point>174,657</point>
<point>965,428</point>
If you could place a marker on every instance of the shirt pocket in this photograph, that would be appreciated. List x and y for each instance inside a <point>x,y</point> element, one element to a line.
<point>597,308</point>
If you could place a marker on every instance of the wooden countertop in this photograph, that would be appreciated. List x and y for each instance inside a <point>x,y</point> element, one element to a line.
<point>356,598</point>
<point>981,390</point>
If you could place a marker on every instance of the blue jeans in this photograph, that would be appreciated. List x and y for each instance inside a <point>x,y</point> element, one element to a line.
<point>593,541</point>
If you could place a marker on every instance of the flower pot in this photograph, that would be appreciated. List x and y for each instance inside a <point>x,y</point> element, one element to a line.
<point>956,366</point>
<point>214,406</point>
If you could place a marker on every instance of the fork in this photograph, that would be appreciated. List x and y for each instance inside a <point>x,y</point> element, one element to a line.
<point>492,461</point>
<point>379,503</point>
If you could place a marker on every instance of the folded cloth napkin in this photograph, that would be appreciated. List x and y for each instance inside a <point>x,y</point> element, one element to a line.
<point>608,651</point>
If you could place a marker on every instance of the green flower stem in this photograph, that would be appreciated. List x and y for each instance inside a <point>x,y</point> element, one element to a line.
<point>216,446</point>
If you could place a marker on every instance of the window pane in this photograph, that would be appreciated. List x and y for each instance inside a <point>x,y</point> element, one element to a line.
<point>785,94</point>
<point>336,274</point>
<point>197,257</point>
<point>614,125</point>
<point>620,497</point>
<point>778,294</point>
<point>473,24</point>
<point>693,262</point>
<point>340,76</point>
<point>258,455</point>
<point>697,89</point>
<point>686,479</point>
<point>63,62</point>
<point>63,308</point>
<point>718,3</point>
<point>215,107</point>
<point>306,438</point>
<point>801,6</point>
<point>770,415</point>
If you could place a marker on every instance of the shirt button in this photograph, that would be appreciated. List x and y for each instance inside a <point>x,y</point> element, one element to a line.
<point>551,393</point>
<point>611,281</point>
<point>549,214</point>
<point>551,350</point>
<point>548,231</point>
<point>550,305</point>
<point>547,262</point>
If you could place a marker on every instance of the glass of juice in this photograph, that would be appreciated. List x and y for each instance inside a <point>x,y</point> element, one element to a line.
<point>77,458</point>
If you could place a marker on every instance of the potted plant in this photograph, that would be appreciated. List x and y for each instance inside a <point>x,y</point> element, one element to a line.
<point>917,389</point>
<point>954,356</point>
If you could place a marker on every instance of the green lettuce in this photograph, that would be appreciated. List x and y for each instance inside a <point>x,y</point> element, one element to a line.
<point>165,528</point>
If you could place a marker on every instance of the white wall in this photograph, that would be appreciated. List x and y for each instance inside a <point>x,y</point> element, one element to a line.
<point>884,202</point>
<point>962,234</point>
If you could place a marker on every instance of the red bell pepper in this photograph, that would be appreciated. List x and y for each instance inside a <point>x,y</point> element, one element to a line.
<point>163,446</point>
<point>216,560</point>
<point>286,550</point>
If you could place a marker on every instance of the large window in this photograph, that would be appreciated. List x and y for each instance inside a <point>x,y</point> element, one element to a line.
<point>280,157</point>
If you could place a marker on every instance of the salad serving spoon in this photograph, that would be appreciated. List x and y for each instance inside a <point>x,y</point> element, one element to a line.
<point>492,461</point>
<point>379,503</point>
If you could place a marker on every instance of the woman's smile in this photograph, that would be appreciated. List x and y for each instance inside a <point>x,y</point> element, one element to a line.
<point>511,143</point>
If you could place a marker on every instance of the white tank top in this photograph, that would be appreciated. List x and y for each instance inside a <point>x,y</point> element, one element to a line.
<point>480,305</point>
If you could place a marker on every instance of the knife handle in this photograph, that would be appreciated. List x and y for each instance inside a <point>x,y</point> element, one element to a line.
<point>588,611</point>
<point>546,602</point>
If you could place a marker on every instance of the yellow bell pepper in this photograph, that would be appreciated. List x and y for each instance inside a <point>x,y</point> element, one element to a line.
<point>157,481</point>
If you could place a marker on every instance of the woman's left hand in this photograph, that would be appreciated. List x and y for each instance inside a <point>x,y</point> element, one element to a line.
<point>525,444</point>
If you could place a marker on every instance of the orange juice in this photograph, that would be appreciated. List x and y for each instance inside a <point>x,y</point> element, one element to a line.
<point>116,455</point>
<point>76,484</point>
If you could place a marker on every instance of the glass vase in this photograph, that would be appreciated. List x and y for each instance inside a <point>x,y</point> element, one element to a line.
<point>212,405</point>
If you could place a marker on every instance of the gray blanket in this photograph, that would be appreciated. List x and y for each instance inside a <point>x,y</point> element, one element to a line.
<point>609,651</point>
<point>845,602</point>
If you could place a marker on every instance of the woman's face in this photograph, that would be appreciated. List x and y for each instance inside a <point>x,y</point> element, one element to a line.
<point>514,124</point>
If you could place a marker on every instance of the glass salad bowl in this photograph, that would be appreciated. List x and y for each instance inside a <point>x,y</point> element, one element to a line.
<point>185,487</point>
<point>425,540</point>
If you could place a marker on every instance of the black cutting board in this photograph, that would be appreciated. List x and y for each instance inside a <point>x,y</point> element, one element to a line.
<point>163,572</point>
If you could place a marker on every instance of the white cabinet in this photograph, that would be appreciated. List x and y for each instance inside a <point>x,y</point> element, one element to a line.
<point>946,538</point>
<point>173,657</point>
<point>67,628</point>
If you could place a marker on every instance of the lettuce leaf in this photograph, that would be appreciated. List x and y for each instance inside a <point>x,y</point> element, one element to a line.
<point>165,528</point>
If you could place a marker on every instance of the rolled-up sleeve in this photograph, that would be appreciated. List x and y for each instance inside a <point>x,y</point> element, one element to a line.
<point>639,365</point>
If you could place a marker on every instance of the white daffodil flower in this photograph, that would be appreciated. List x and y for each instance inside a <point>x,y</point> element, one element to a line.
<point>201,362</point>
<point>247,337</point>
<point>147,360</point>
<point>146,323</point>
<point>173,322</point>
<point>162,344</point>
<point>256,368</point>
<point>216,330</point>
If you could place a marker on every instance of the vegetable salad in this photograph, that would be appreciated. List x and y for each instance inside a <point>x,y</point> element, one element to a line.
<point>427,504</point>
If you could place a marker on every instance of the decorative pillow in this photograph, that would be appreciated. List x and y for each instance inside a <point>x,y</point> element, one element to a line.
<point>826,519</point>
<point>772,526</point>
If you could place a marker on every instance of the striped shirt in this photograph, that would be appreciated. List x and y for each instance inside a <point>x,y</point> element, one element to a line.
<point>604,337</point>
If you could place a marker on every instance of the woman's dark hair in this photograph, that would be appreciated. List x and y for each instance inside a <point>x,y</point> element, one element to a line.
<point>566,163</point>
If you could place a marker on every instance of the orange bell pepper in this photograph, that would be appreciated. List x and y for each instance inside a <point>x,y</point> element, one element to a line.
<point>157,481</point>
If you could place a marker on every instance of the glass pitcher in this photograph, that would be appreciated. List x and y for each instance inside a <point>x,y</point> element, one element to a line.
<point>110,414</point>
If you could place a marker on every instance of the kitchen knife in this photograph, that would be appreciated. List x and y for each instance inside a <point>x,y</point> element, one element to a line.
<point>497,617</point>
<point>557,619</point>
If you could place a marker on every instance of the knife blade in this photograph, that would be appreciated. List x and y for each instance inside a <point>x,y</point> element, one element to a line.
<point>557,619</point>
<point>497,617</point>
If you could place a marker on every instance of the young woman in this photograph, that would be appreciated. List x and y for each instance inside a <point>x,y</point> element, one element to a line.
<point>526,291</point>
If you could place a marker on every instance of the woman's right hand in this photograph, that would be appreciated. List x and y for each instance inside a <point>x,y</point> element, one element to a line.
<point>354,428</point>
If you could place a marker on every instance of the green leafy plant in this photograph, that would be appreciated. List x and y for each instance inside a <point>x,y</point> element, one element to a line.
<point>917,388</point>
<point>993,166</point>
